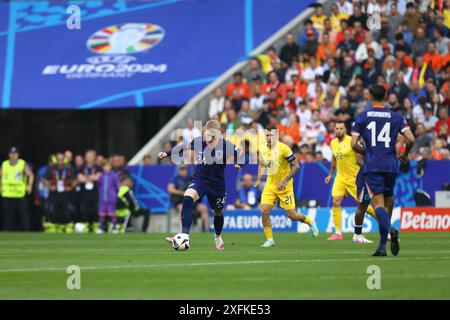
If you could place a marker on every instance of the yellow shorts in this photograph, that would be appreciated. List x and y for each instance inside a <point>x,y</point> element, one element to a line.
<point>341,188</point>
<point>270,196</point>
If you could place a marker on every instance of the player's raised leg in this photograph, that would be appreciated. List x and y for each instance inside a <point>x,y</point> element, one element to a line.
<point>294,215</point>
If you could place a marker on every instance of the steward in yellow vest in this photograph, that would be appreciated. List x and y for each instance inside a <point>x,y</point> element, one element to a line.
<point>16,182</point>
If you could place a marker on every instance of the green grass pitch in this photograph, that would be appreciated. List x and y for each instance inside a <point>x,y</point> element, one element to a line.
<point>144,266</point>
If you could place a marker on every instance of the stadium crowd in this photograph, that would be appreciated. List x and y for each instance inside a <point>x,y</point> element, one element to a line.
<point>89,191</point>
<point>324,75</point>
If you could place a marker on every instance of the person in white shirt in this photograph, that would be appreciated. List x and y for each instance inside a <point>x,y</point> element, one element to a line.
<point>324,148</point>
<point>312,87</point>
<point>362,51</point>
<point>373,7</point>
<point>309,73</point>
<point>304,114</point>
<point>216,104</point>
<point>313,128</point>
<point>418,110</point>
<point>345,7</point>
<point>429,119</point>
<point>190,132</point>
<point>257,100</point>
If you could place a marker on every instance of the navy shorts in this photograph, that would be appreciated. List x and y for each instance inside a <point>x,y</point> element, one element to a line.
<point>380,182</point>
<point>216,198</point>
<point>361,190</point>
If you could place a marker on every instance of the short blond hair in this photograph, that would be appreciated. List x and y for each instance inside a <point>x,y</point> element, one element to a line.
<point>212,125</point>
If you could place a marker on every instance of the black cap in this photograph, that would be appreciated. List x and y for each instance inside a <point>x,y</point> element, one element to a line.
<point>13,150</point>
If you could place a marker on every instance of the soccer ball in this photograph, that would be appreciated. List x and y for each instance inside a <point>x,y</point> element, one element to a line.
<point>181,242</point>
<point>79,227</point>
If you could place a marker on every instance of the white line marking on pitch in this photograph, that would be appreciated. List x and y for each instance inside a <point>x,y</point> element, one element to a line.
<point>199,264</point>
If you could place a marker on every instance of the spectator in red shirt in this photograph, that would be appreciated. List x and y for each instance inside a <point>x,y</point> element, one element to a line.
<point>275,105</point>
<point>238,84</point>
<point>432,57</point>
<point>275,84</point>
<point>359,33</point>
<point>443,121</point>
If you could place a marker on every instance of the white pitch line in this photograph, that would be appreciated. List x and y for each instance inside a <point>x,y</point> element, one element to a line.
<point>199,264</point>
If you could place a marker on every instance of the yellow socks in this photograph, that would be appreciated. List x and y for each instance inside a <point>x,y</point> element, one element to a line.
<point>371,211</point>
<point>307,220</point>
<point>337,218</point>
<point>268,233</point>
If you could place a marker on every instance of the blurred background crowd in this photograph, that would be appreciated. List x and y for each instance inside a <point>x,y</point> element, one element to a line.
<point>323,75</point>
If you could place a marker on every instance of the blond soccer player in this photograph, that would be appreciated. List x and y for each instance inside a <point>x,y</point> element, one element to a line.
<point>345,162</point>
<point>281,165</point>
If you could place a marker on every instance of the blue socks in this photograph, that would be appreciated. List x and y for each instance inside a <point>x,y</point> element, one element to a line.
<point>186,214</point>
<point>358,229</point>
<point>218,224</point>
<point>384,222</point>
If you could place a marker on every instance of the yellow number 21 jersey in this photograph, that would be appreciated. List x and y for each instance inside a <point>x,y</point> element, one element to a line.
<point>277,161</point>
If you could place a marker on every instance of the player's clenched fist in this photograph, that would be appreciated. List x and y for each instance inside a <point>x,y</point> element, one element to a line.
<point>328,179</point>
<point>257,183</point>
<point>162,155</point>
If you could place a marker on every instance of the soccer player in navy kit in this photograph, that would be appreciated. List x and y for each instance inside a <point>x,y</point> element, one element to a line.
<point>379,128</point>
<point>211,153</point>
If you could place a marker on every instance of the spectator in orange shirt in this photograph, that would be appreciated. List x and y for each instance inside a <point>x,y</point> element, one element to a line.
<point>275,105</point>
<point>292,129</point>
<point>239,85</point>
<point>326,49</point>
<point>401,58</point>
<point>298,86</point>
<point>258,82</point>
<point>432,58</point>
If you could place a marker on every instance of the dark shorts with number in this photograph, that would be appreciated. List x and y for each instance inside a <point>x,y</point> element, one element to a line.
<point>216,197</point>
<point>380,182</point>
<point>362,194</point>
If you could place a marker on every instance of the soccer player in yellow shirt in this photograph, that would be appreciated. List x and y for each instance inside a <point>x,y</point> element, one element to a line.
<point>345,161</point>
<point>281,165</point>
